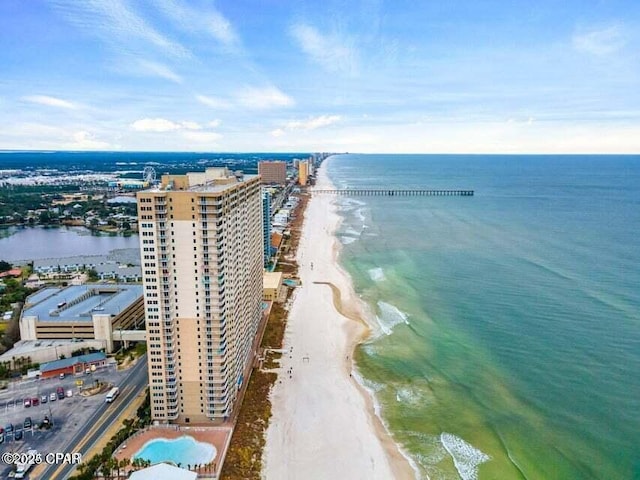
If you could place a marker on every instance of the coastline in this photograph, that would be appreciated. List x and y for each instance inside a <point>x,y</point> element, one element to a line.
<point>324,422</point>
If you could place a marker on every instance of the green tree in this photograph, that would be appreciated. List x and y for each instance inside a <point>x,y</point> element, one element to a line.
<point>45,218</point>
<point>4,266</point>
<point>93,275</point>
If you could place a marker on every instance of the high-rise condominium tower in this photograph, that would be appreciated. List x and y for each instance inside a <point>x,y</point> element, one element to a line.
<point>273,172</point>
<point>202,258</point>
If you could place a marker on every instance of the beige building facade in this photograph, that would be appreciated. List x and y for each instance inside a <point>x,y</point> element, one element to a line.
<point>273,172</point>
<point>202,262</point>
<point>303,172</point>
<point>272,285</point>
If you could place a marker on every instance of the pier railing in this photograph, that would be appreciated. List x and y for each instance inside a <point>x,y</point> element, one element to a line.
<point>395,192</point>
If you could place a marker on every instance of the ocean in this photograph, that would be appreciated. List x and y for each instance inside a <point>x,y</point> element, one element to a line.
<point>508,339</point>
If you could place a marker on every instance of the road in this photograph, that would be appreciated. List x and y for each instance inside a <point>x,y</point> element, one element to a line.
<point>132,385</point>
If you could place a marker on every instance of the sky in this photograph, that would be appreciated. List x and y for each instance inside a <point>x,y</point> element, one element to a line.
<point>414,76</point>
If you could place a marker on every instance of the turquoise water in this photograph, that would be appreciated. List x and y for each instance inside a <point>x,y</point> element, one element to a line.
<point>184,451</point>
<point>509,342</point>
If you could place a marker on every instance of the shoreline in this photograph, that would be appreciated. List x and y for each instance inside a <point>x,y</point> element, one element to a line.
<point>324,422</point>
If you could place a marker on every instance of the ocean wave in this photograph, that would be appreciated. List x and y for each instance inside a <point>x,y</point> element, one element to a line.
<point>370,349</point>
<point>390,316</point>
<point>345,240</point>
<point>466,457</point>
<point>432,453</point>
<point>351,232</point>
<point>408,395</point>
<point>371,387</point>
<point>350,202</point>
<point>377,274</point>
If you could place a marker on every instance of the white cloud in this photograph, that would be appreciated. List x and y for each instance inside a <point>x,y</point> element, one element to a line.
<point>202,137</point>
<point>214,123</point>
<point>263,98</point>
<point>163,125</point>
<point>155,125</point>
<point>190,125</point>
<point>602,41</point>
<point>313,122</point>
<point>209,21</point>
<point>84,140</point>
<point>259,98</point>
<point>50,101</point>
<point>160,70</point>
<point>333,52</point>
<point>114,21</point>
<point>213,102</point>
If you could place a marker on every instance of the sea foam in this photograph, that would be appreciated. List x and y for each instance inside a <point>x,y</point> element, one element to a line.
<point>465,456</point>
<point>345,240</point>
<point>390,316</point>
<point>377,274</point>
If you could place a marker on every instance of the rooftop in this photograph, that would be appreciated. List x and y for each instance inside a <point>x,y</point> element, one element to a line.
<point>80,302</point>
<point>67,362</point>
<point>214,179</point>
<point>163,470</point>
<point>271,279</point>
<point>28,347</point>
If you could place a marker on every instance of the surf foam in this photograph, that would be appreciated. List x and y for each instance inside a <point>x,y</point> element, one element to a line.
<point>465,456</point>
<point>377,274</point>
<point>390,316</point>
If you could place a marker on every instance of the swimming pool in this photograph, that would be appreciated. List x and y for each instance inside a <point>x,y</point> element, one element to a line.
<point>184,450</point>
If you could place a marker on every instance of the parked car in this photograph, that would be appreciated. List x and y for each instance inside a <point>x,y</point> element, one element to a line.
<point>60,392</point>
<point>53,397</point>
<point>27,423</point>
<point>9,428</point>
<point>27,402</point>
<point>17,435</point>
<point>35,401</point>
<point>44,399</point>
<point>61,376</point>
<point>69,393</point>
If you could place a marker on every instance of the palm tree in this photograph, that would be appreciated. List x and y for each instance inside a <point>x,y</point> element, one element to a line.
<point>124,463</point>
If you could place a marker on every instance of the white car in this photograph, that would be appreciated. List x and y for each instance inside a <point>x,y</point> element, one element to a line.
<point>69,393</point>
<point>53,397</point>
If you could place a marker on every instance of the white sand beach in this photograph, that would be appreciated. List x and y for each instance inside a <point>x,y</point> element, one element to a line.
<point>323,424</point>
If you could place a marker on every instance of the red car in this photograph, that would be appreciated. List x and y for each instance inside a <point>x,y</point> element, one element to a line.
<point>35,401</point>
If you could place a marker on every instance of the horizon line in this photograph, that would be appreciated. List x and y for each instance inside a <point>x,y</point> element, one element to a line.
<point>14,150</point>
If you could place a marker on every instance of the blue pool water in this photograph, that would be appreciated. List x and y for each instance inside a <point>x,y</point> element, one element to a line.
<point>184,451</point>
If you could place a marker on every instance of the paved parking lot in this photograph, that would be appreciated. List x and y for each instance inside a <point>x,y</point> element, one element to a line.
<point>66,414</point>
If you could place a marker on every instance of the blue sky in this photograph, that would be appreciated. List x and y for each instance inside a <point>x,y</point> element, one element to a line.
<point>309,75</point>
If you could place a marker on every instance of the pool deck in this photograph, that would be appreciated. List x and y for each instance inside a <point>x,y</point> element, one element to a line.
<point>219,437</point>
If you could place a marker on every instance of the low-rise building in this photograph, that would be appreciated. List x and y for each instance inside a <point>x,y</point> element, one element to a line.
<point>73,365</point>
<point>41,351</point>
<point>91,311</point>
<point>271,286</point>
<point>163,470</point>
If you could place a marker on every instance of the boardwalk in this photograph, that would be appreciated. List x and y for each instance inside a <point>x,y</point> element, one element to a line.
<point>397,192</point>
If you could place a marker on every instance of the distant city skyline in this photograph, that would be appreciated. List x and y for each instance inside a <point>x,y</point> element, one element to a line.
<point>362,76</point>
